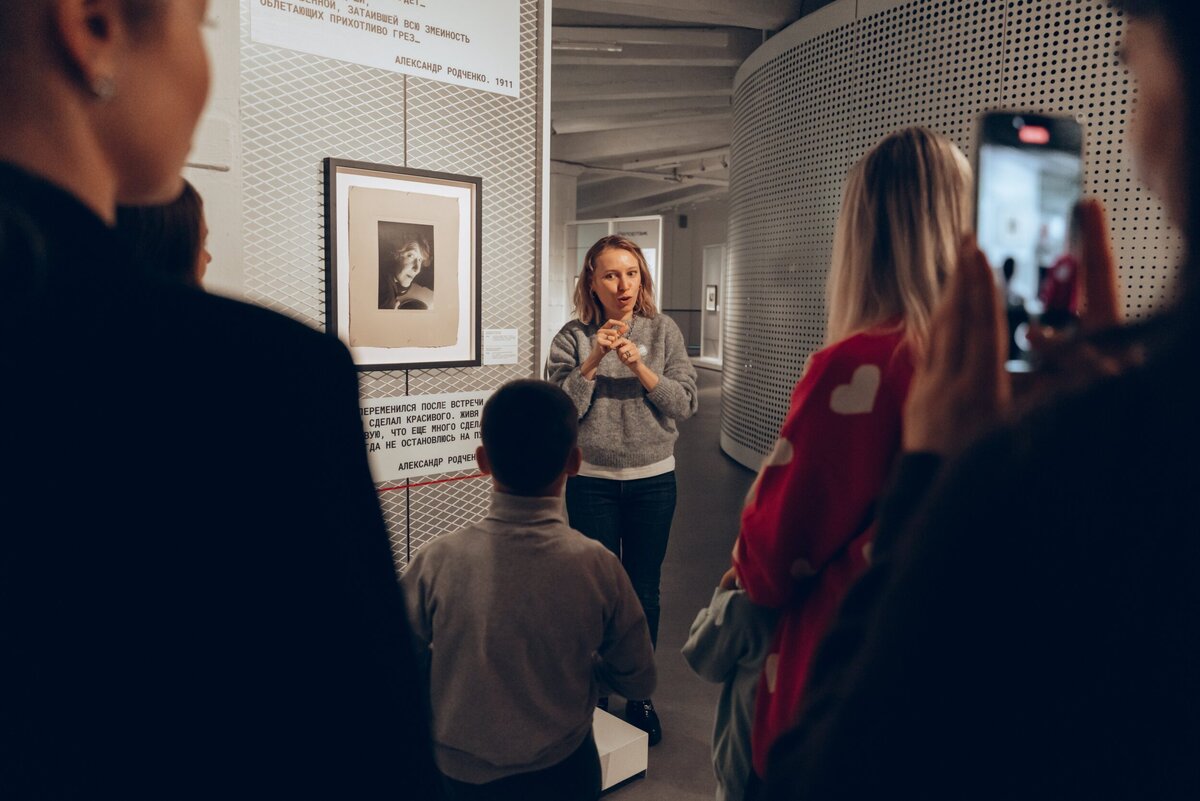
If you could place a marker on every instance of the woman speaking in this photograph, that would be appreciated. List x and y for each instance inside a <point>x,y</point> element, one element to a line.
<point>627,369</point>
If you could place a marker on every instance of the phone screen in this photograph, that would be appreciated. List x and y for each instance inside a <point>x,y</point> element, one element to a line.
<point>1028,180</point>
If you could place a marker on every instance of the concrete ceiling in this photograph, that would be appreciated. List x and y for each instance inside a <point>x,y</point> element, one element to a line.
<point>640,95</point>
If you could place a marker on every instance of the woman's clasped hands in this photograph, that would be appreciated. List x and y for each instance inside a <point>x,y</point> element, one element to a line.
<point>610,335</point>
<point>611,339</point>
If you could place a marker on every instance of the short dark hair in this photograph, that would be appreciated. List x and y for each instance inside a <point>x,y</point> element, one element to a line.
<point>529,429</point>
<point>165,240</point>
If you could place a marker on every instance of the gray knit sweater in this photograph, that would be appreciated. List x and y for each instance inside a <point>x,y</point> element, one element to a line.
<point>620,423</point>
<point>523,623</point>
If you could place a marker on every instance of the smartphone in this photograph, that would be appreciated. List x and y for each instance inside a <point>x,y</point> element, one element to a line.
<point>1028,180</point>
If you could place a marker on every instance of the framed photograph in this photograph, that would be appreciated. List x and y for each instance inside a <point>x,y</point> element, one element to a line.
<point>403,265</point>
<point>710,297</point>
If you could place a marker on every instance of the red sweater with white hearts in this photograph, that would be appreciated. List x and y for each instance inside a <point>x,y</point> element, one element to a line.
<point>810,515</point>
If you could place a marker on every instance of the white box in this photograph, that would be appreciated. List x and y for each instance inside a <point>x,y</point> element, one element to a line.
<point>624,749</point>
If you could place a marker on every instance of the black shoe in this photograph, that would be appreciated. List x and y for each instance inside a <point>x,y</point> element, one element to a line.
<point>641,714</point>
<point>602,703</point>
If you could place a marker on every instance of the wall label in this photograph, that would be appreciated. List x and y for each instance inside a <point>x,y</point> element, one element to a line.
<point>418,435</point>
<point>499,346</point>
<point>468,44</point>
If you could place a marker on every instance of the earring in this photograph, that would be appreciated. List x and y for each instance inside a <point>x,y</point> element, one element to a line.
<point>104,88</point>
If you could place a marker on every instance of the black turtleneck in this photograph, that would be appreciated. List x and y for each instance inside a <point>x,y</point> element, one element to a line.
<point>196,587</point>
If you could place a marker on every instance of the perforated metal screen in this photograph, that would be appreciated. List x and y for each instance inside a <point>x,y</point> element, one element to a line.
<point>298,109</point>
<point>826,89</point>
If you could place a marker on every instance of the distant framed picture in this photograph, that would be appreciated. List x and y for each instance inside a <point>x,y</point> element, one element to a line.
<point>710,297</point>
<point>403,265</point>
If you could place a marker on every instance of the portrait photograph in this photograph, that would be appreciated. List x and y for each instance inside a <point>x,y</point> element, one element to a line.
<point>403,265</point>
<point>406,280</point>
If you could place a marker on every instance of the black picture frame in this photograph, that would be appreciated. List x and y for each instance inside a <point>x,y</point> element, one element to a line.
<point>403,265</point>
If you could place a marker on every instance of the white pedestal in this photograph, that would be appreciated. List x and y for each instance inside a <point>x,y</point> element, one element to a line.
<point>624,749</point>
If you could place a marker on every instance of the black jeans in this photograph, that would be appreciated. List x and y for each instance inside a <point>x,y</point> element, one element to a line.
<point>576,778</point>
<point>633,520</point>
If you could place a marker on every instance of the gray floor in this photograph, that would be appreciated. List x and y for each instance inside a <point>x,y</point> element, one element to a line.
<point>711,489</point>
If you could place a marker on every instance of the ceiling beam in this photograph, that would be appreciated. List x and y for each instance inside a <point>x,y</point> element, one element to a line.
<point>729,48</point>
<point>675,37</point>
<point>669,199</point>
<point>582,109</point>
<point>655,177</point>
<point>677,158</point>
<point>635,56</point>
<point>624,146</point>
<point>621,193</point>
<point>770,15</point>
<point>625,123</point>
<point>698,196</point>
<point>716,173</point>
<point>636,83</point>
<point>590,177</point>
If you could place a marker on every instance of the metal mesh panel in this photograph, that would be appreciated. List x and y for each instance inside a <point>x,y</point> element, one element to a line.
<point>803,117</point>
<point>298,109</point>
<point>463,130</point>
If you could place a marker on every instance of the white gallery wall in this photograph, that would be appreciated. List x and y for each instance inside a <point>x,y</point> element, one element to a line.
<point>683,261</point>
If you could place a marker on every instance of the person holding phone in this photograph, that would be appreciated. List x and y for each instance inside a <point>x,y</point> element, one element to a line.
<point>808,523</point>
<point>626,367</point>
<point>1028,628</point>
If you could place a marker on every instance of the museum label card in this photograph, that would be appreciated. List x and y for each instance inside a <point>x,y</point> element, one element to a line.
<point>475,44</point>
<point>499,346</point>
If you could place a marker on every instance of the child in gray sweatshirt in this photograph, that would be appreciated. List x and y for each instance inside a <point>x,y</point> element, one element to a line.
<point>728,642</point>
<point>523,621</point>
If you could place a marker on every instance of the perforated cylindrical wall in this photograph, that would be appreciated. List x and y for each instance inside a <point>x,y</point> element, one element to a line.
<point>814,99</point>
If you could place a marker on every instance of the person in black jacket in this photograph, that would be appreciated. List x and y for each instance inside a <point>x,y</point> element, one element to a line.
<point>197,595</point>
<point>1029,628</point>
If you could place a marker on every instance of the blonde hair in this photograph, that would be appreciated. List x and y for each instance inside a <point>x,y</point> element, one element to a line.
<point>587,308</point>
<point>906,208</point>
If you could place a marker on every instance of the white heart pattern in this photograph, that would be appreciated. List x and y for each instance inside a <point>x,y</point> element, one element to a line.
<point>857,397</point>
<point>781,454</point>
